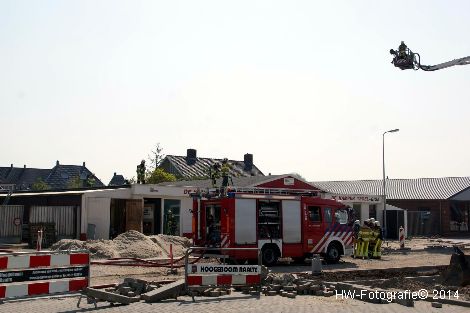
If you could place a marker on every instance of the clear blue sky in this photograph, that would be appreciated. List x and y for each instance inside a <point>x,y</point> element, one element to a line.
<point>306,86</point>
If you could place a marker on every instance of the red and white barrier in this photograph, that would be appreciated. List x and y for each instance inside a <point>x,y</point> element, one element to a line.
<point>42,273</point>
<point>41,288</point>
<point>402,237</point>
<point>23,261</point>
<point>223,280</point>
<point>205,274</point>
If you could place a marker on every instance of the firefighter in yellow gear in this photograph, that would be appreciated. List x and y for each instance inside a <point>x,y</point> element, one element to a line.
<point>214,171</point>
<point>376,253</point>
<point>141,172</point>
<point>402,50</point>
<point>225,171</point>
<point>365,234</point>
<point>373,237</point>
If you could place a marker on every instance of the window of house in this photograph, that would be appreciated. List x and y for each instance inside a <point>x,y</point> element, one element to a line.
<point>314,213</point>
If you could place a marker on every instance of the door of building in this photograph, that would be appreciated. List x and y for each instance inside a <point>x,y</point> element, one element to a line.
<point>134,214</point>
<point>395,219</point>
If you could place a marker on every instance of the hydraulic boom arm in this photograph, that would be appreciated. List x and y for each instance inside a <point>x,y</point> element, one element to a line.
<point>405,59</point>
<point>461,61</point>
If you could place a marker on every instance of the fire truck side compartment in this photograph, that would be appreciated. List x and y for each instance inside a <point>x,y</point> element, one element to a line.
<point>245,221</point>
<point>291,221</point>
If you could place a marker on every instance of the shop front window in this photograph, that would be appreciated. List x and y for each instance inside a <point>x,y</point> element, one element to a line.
<point>171,217</point>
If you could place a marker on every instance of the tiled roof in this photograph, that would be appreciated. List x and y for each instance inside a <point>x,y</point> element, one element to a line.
<point>237,181</point>
<point>57,178</point>
<point>400,189</point>
<point>200,167</point>
<point>22,177</point>
<point>117,180</point>
<point>62,175</point>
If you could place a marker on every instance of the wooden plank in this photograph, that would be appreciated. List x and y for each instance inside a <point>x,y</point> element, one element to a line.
<point>109,296</point>
<point>134,214</point>
<point>165,292</point>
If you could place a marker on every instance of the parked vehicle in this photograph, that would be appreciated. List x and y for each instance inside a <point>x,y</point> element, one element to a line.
<point>282,223</point>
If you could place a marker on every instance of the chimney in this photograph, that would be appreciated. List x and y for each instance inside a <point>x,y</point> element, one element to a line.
<point>11,165</point>
<point>191,156</point>
<point>24,166</point>
<point>83,164</point>
<point>57,163</point>
<point>114,174</point>
<point>248,160</point>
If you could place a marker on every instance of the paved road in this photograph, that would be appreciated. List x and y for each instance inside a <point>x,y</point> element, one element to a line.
<point>233,303</point>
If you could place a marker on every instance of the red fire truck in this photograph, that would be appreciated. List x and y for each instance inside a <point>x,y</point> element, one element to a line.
<point>282,223</point>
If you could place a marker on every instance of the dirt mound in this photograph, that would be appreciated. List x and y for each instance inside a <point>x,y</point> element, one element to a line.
<point>131,244</point>
<point>99,249</point>
<point>180,244</point>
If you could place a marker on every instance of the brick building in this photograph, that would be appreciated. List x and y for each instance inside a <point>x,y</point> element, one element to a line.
<point>434,206</point>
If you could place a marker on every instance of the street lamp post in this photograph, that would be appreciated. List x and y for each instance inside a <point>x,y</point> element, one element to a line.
<point>383,186</point>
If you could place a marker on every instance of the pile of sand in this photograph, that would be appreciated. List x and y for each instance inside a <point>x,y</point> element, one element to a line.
<point>131,244</point>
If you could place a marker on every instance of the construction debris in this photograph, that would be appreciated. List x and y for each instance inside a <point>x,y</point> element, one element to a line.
<point>109,296</point>
<point>134,290</point>
<point>172,290</point>
<point>290,285</point>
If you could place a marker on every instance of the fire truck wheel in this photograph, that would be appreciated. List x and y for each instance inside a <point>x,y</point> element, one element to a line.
<point>270,255</point>
<point>333,253</point>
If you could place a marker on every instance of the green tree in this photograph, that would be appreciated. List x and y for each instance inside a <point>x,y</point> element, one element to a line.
<point>155,157</point>
<point>39,185</point>
<point>159,175</point>
<point>75,182</point>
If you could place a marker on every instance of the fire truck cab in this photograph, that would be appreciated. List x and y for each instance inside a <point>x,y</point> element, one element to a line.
<point>281,225</point>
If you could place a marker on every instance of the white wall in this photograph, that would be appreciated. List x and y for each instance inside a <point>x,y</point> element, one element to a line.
<point>99,215</point>
<point>186,217</point>
<point>364,212</point>
<point>98,212</point>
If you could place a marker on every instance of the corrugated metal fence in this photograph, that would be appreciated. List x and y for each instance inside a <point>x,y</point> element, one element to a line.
<point>64,218</point>
<point>8,230</point>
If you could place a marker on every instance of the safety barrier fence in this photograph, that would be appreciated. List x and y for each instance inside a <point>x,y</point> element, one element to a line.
<point>206,275</point>
<point>42,273</point>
